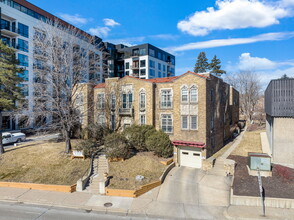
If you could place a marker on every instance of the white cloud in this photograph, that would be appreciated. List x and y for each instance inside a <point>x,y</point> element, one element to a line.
<point>246,61</point>
<point>233,14</point>
<point>232,41</point>
<point>287,2</point>
<point>130,41</point>
<point>110,22</point>
<point>100,31</point>
<point>164,37</point>
<point>74,19</point>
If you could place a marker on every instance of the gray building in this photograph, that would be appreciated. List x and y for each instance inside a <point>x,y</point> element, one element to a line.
<point>279,108</point>
<point>143,61</point>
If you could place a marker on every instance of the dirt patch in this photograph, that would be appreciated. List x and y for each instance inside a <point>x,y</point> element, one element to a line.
<point>41,162</point>
<point>125,172</point>
<point>251,142</point>
<point>280,185</point>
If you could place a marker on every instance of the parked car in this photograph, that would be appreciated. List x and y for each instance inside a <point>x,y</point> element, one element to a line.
<point>9,138</point>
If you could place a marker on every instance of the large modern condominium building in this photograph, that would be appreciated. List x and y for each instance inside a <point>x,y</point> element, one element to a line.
<point>142,61</point>
<point>21,23</point>
<point>198,111</point>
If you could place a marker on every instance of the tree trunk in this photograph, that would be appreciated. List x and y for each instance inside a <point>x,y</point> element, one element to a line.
<point>1,144</point>
<point>67,142</point>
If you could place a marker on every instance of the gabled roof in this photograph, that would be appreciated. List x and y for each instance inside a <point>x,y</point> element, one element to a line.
<point>100,85</point>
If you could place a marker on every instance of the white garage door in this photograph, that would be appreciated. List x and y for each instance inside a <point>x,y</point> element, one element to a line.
<point>190,158</point>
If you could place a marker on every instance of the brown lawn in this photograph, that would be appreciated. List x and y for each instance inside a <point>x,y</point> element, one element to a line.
<point>125,172</point>
<point>250,143</point>
<point>41,162</point>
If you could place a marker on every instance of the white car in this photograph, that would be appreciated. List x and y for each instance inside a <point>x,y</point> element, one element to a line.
<point>9,138</point>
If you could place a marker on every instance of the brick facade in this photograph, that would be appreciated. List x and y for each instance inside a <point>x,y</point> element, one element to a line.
<point>215,112</point>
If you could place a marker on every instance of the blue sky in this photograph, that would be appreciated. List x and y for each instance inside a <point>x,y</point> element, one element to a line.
<point>250,35</point>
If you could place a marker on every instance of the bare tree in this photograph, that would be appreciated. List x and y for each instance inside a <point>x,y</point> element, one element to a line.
<point>108,106</point>
<point>62,65</point>
<point>249,87</point>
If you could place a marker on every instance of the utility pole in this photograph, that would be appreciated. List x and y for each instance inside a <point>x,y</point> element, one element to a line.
<point>261,192</point>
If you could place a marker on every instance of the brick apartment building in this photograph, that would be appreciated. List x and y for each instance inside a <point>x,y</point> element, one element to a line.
<point>198,111</point>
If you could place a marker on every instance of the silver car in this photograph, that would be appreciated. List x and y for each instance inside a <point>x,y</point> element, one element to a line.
<point>9,138</point>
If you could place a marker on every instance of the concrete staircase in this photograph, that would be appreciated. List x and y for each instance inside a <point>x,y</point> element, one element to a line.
<point>218,168</point>
<point>100,166</point>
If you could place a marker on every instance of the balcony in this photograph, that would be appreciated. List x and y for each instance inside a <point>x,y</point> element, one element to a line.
<point>9,31</point>
<point>134,67</point>
<point>126,111</point>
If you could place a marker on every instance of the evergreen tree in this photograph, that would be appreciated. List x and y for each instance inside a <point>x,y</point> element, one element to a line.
<point>9,80</point>
<point>215,66</point>
<point>201,63</point>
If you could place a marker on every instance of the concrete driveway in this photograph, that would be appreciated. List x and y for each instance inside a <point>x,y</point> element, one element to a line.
<point>196,187</point>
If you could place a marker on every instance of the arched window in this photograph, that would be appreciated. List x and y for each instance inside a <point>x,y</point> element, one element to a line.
<point>193,94</point>
<point>100,101</point>
<point>184,94</point>
<point>142,99</point>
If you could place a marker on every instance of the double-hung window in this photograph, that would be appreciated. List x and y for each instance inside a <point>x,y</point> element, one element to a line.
<point>184,94</point>
<point>113,101</point>
<point>101,101</point>
<point>127,100</point>
<point>167,123</point>
<point>185,122</point>
<point>193,122</point>
<point>142,100</point>
<point>193,94</point>
<point>166,98</point>
<point>142,119</point>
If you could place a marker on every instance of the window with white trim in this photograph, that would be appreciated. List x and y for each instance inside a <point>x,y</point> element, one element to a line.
<point>100,101</point>
<point>193,94</point>
<point>127,100</point>
<point>193,122</point>
<point>113,101</point>
<point>167,123</point>
<point>166,98</point>
<point>184,94</point>
<point>184,122</point>
<point>142,119</point>
<point>101,120</point>
<point>142,99</point>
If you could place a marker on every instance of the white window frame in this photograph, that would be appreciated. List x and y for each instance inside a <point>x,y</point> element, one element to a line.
<point>100,101</point>
<point>142,116</point>
<point>142,103</point>
<point>196,89</point>
<point>101,121</point>
<point>167,123</point>
<point>191,122</point>
<point>182,121</point>
<point>168,99</point>
<point>185,88</point>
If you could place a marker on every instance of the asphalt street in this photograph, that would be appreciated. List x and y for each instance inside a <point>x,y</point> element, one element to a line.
<point>14,211</point>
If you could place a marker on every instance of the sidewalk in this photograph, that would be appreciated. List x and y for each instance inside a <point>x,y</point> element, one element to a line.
<point>145,206</point>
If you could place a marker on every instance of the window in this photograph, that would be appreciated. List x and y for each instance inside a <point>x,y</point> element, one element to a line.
<point>142,119</point>
<point>135,52</point>
<point>184,122</point>
<point>143,72</point>
<point>159,55</point>
<point>101,120</point>
<point>5,24</point>
<point>163,68</point>
<point>166,99</point>
<point>151,73</point>
<point>113,122</point>
<point>127,65</point>
<point>127,100</point>
<point>113,101</point>
<point>23,60</point>
<point>193,94</point>
<point>193,122</point>
<point>184,94</point>
<point>167,123</point>
<point>163,57</point>
<point>142,51</point>
<point>159,75</point>
<point>142,100</point>
<point>24,75</point>
<point>23,45</point>
<point>23,30</point>
<point>151,52</point>
<point>159,66</point>
<point>151,63</point>
<point>100,101</point>
<point>142,63</point>
<point>79,99</point>
<point>24,89</point>
<point>127,73</point>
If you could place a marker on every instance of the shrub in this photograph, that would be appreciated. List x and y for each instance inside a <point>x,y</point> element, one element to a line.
<point>117,146</point>
<point>159,143</point>
<point>88,147</point>
<point>96,132</point>
<point>136,135</point>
